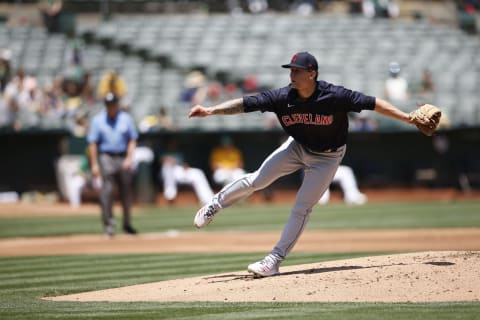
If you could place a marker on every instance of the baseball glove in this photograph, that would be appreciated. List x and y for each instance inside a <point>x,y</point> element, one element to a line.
<point>426,118</point>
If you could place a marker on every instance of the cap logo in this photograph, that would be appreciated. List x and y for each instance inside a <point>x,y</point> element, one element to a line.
<point>295,57</point>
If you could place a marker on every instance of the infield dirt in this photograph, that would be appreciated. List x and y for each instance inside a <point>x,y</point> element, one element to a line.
<point>415,277</point>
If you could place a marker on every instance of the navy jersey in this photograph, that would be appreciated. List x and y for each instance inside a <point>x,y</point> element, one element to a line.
<point>318,123</point>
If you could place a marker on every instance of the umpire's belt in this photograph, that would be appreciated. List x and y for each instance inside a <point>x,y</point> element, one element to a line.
<point>115,154</point>
<point>319,153</point>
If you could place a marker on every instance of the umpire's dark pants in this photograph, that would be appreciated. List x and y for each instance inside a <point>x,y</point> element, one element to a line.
<point>113,173</point>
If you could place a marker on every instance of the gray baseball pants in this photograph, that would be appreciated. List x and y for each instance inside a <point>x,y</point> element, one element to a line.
<point>319,170</point>
<point>111,167</point>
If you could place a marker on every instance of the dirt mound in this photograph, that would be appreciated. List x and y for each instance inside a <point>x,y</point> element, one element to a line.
<point>415,277</point>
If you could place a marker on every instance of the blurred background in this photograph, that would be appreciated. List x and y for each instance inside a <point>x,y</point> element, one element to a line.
<point>59,58</point>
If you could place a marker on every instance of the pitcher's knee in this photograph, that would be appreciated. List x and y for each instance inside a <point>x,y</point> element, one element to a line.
<point>257,183</point>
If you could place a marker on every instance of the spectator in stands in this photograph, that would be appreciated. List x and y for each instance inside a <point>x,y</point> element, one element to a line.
<point>57,87</point>
<point>226,162</point>
<point>9,113</point>
<point>396,86</point>
<point>250,84</point>
<point>5,68</point>
<point>214,93</point>
<point>231,90</point>
<point>257,6</point>
<point>303,7</point>
<point>111,82</point>
<point>51,10</point>
<point>74,52</point>
<point>160,121</point>
<point>426,87</point>
<point>72,99</point>
<point>53,99</point>
<point>31,96</point>
<point>74,73</point>
<point>175,171</point>
<point>467,18</point>
<point>345,178</point>
<point>380,8</point>
<point>355,7</point>
<point>165,121</point>
<point>4,112</point>
<point>23,101</point>
<point>363,123</point>
<point>234,7</point>
<point>88,89</point>
<point>15,85</point>
<point>195,88</point>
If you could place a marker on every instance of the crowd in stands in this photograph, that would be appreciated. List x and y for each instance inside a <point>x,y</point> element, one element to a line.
<point>26,103</point>
<point>70,99</point>
<point>67,100</point>
<point>199,89</point>
<point>374,8</point>
<point>369,8</point>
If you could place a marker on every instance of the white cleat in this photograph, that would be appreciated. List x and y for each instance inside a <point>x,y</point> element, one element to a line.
<point>205,215</point>
<point>265,268</point>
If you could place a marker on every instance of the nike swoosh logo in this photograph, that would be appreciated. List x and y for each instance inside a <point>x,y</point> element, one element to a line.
<point>290,105</point>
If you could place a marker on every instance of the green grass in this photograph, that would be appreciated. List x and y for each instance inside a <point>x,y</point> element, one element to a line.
<point>24,280</point>
<point>263,217</point>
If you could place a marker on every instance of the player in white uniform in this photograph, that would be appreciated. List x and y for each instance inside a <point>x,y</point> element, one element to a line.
<point>345,178</point>
<point>175,171</point>
<point>314,114</point>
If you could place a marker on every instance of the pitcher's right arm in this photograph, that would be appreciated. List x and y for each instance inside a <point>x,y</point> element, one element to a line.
<point>233,106</point>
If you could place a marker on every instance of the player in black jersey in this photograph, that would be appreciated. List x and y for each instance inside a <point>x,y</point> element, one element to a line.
<point>314,114</point>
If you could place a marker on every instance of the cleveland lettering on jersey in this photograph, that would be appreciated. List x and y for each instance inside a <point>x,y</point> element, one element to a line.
<point>307,118</point>
<point>319,122</point>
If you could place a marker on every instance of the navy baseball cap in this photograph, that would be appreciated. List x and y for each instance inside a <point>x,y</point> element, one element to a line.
<point>303,60</point>
<point>110,98</point>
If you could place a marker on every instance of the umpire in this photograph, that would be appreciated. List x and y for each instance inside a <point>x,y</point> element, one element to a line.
<point>112,139</point>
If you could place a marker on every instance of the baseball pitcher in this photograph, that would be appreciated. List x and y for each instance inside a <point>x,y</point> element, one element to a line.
<point>314,114</point>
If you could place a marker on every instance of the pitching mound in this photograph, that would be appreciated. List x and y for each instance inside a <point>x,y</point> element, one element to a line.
<point>414,277</point>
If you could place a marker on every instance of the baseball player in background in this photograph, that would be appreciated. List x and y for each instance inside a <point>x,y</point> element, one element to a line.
<point>226,162</point>
<point>175,170</point>
<point>314,115</point>
<point>345,178</point>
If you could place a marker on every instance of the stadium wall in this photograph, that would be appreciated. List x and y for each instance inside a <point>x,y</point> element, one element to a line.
<point>28,160</point>
<point>380,160</point>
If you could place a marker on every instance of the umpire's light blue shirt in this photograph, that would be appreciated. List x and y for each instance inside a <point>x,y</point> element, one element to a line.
<point>112,135</point>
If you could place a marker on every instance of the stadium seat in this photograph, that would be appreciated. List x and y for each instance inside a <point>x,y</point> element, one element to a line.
<point>352,51</point>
